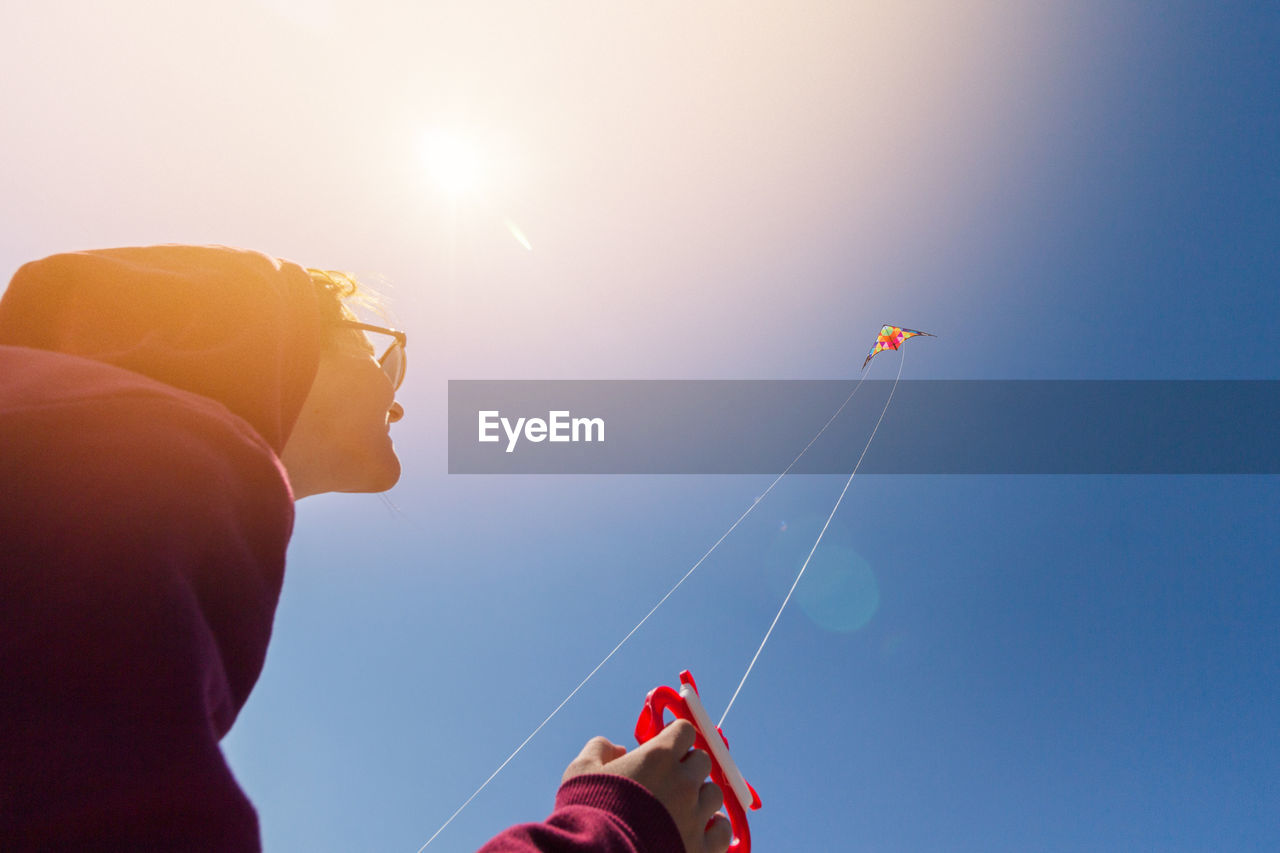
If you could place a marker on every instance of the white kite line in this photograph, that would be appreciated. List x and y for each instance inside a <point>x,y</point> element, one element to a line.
<point>832,515</point>
<point>677,585</point>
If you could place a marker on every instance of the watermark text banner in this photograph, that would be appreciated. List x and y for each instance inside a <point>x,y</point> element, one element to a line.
<point>931,427</point>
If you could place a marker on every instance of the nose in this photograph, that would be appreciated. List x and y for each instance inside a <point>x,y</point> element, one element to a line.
<point>395,413</point>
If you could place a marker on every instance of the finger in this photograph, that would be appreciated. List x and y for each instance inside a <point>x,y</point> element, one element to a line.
<point>680,735</point>
<point>710,799</point>
<point>600,751</point>
<point>719,835</point>
<point>698,763</point>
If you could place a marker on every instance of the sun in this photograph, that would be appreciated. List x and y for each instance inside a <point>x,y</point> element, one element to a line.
<point>453,163</point>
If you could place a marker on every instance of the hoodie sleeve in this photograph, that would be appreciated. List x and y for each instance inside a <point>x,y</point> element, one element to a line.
<point>144,533</point>
<point>596,813</point>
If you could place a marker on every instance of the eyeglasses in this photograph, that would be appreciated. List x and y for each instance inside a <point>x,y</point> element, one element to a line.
<point>392,361</point>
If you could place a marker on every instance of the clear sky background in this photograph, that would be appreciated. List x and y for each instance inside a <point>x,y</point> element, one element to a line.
<point>735,190</point>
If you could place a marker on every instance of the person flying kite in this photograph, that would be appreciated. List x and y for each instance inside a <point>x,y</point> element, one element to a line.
<point>891,337</point>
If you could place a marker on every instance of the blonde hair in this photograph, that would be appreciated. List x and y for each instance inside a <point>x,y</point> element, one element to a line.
<point>337,291</point>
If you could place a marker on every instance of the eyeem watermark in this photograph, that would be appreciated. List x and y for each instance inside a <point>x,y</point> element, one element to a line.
<point>1032,427</point>
<point>558,426</point>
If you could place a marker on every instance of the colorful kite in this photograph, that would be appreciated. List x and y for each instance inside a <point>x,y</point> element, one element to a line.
<point>891,337</point>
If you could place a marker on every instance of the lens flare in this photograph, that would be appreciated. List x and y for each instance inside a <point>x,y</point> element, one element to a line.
<point>519,235</point>
<point>840,591</point>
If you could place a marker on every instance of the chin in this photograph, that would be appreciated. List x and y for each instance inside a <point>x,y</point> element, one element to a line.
<point>390,477</point>
<point>379,475</point>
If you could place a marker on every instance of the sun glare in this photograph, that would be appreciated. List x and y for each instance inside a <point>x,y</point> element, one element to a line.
<point>453,163</point>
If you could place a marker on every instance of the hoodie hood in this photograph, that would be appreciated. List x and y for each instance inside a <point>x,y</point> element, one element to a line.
<point>237,326</point>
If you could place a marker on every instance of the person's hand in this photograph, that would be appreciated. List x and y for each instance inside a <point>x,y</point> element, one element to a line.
<point>673,772</point>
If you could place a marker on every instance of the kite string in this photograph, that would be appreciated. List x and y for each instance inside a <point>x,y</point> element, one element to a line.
<point>805,565</point>
<point>645,619</point>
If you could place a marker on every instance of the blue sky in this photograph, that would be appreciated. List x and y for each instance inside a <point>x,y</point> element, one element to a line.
<point>1086,191</point>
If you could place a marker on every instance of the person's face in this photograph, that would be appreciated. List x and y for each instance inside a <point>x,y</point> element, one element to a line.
<point>342,440</point>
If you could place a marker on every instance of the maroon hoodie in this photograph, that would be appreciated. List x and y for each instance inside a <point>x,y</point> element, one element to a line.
<point>145,396</point>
